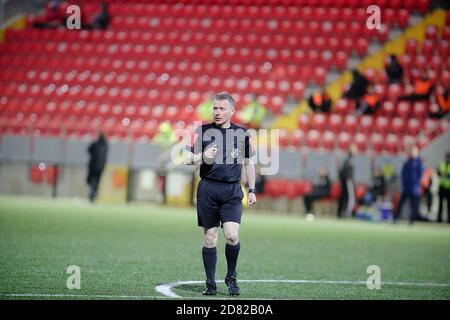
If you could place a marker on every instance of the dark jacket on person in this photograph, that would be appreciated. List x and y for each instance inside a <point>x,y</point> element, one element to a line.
<point>346,172</point>
<point>98,154</point>
<point>101,21</point>
<point>260,183</point>
<point>394,71</point>
<point>411,175</point>
<point>358,87</point>
<point>319,102</point>
<point>322,186</point>
<point>378,187</point>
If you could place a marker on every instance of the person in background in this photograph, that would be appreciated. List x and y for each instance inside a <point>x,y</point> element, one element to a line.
<point>442,103</point>
<point>370,102</point>
<point>52,17</point>
<point>320,101</point>
<point>377,189</point>
<point>358,87</point>
<point>423,87</point>
<point>347,197</point>
<point>394,70</point>
<point>430,189</point>
<point>260,181</point>
<point>165,136</point>
<point>253,113</point>
<point>321,189</point>
<point>98,151</point>
<point>411,175</point>
<point>102,19</point>
<point>444,187</point>
<point>426,183</point>
<point>203,110</point>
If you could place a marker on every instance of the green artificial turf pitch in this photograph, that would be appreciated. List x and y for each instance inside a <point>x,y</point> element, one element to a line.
<point>125,251</point>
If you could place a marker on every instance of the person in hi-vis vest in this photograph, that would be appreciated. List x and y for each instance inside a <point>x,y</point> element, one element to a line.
<point>444,187</point>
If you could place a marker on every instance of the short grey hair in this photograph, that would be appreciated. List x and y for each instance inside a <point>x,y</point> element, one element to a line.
<point>225,96</point>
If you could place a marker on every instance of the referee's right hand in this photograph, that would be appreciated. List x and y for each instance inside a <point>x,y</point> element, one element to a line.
<point>210,154</point>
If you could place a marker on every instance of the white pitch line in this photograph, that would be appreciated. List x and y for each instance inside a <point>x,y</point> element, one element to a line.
<point>62,295</point>
<point>166,289</point>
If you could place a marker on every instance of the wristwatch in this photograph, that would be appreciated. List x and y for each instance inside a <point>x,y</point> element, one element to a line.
<point>250,190</point>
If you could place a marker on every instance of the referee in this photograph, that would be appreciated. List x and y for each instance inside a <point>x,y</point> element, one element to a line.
<point>221,148</point>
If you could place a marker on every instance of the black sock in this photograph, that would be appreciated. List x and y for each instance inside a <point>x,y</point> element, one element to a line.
<point>209,262</point>
<point>232,253</point>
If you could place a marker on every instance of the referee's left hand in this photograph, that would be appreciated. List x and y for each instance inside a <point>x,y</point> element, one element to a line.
<point>251,198</point>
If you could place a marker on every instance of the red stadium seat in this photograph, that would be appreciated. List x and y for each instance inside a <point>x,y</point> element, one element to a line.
<point>428,48</point>
<point>404,109</point>
<point>52,173</point>
<point>335,122</point>
<point>397,126</point>
<point>283,138</point>
<point>335,191</point>
<point>436,63</point>
<point>422,141</point>
<point>292,189</point>
<point>392,143</point>
<point>422,5</point>
<point>350,123</point>
<point>360,140</point>
<point>381,125</point>
<point>328,140</point>
<point>414,127</point>
<point>446,33</point>
<point>403,18</point>
<point>341,60</point>
<point>297,138</point>
<point>420,110</point>
<point>444,48</point>
<point>319,121</point>
<point>344,140</point>
<point>361,46</point>
<point>421,62</point>
<point>366,124</point>
<point>37,173</point>
<point>387,109</point>
<point>313,139</point>
<point>319,77</point>
<point>304,187</point>
<point>406,61</point>
<point>430,126</point>
<point>389,15</point>
<point>304,122</point>
<point>376,140</point>
<point>393,92</point>
<point>431,32</point>
<point>360,190</point>
<point>343,106</point>
<point>411,47</point>
<point>272,188</point>
<point>382,33</point>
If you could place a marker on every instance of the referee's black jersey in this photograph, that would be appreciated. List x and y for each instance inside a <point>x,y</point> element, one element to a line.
<point>233,146</point>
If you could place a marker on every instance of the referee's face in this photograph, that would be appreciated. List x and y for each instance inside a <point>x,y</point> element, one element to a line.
<point>222,112</point>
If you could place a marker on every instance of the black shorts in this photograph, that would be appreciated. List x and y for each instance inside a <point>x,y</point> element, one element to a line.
<point>218,202</point>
